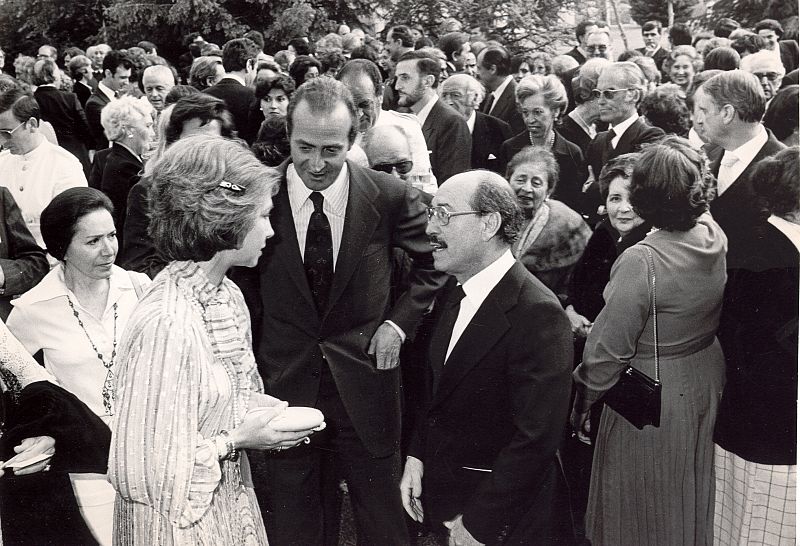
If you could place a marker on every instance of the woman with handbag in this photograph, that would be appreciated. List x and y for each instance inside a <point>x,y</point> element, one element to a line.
<point>76,316</point>
<point>652,473</point>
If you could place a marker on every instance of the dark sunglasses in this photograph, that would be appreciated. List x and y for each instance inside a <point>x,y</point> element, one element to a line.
<point>403,167</point>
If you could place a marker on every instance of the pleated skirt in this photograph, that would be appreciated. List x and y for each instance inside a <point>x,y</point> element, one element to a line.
<point>656,486</point>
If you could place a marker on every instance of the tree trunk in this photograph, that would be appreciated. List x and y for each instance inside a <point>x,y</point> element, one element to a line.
<point>670,13</point>
<point>619,23</point>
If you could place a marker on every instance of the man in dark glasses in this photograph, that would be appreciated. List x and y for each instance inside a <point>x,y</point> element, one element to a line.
<point>388,150</point>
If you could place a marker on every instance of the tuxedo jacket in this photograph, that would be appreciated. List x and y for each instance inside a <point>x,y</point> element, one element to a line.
<point>94,106</point>
<point>495,416</point>
<point>505,108</point>
<point>599,153</point>
<point>488,136</point>
<point>238,99</point>
<point>120,173</point>
<point>449,141</point>
<point>571,168</point>
<point>66,115</point>
<point>736,210</point>
<point>292,342</point>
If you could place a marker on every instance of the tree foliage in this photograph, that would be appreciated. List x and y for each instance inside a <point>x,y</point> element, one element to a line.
<point>750,12</point>
<point>656,10</point>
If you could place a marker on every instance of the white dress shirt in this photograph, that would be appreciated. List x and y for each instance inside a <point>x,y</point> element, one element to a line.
<point>423,112</point>
<point>620,128</point>
<point>476,289</point>
<point>471,122</point>
<point>734,162</point>
<point>334,205</point>
<point>107,91</point>
<point>36,177</point>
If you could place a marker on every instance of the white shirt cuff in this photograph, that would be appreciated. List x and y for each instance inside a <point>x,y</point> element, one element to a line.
<point>399,330</point>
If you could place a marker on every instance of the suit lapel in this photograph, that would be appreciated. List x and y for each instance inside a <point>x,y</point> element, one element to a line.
<point>481,334</point>
<point>361,219</point>
<point>627,139</point>
<point>289,250</point>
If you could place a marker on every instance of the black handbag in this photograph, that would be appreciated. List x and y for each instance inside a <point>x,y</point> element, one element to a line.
<point>637,396</point>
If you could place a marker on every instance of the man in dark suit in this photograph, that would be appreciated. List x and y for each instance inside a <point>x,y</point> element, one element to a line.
<point>117,68</point>
<point>772,31</point>
<point>582,29</point>
<point>621,88</point>
<point>494,72</point>
<point>727,113</point>
<point>446,133</point>
<point>482,464</point>
<point>238,57</point>
<point>651,34</point>
<point>327,332</point>
<point>464,94</point>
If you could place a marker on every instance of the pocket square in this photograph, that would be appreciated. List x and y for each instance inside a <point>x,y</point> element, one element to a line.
<point>491,156</point>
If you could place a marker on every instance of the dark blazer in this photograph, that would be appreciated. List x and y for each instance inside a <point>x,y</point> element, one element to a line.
<point>23,262</point>
<point>571,168</point>
<point>570,130</point>
<point>488,136</point>
<point>98,166</point>
<point>505,108</point>
<point>138,253</point>
<point>94,105</point>
<point>736,209</point>
<point>449,141</point>
<point>121,172</point>
<point>790,54</point>
<point>68,119</point>
<point>291,340</point>
<point>599,152</point>
<point>239,100</point>
<point>757,417</point>
<point>576,54</point>
<point>494,420</point>
<point>659,57</point>
<point>83,92</point>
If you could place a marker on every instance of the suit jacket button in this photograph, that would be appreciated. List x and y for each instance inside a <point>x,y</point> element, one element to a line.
<point>315,373</point>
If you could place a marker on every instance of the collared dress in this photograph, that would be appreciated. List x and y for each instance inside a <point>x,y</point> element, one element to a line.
<point>186,373</point>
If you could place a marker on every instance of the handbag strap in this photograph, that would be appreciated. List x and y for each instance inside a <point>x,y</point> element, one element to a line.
<point>652,269</point>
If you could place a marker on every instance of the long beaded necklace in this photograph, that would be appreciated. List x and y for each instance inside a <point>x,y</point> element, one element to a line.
<point>108,384</point>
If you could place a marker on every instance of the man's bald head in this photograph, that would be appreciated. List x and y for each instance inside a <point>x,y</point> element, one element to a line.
<point>463,93</point>
<point>387,145</point>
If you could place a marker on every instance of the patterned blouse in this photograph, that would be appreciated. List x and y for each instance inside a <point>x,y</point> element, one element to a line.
<point>186,372</point>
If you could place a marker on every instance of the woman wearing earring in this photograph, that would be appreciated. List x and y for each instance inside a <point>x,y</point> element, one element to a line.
<point>542,100</point>
<point>128,123</point>
<point>76,316</point>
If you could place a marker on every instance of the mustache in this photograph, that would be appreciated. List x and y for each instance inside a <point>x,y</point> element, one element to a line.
<point>437,242</point>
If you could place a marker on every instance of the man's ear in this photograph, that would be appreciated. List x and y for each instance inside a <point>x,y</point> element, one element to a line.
<point>728,113</point>
<point>491,225</point>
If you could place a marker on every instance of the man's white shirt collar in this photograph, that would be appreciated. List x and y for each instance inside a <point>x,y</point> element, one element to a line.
<point>233,76</point>
<point>425,110</point>
<point>744,155</point>
<point>107,91</point>
<point>479,285</point>
<point>334,194</point>
<point>620,128</point>
<point>471,122</point>
<point>500,88</point>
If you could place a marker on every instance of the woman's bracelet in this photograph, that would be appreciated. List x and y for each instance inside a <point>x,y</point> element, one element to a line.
<point>225,449</point>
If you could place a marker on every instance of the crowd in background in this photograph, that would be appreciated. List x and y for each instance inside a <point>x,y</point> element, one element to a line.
<point>436,188</point>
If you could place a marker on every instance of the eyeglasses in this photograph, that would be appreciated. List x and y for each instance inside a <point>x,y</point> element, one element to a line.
<point>607,94</point>
<point>443,215</point>
<point>771,76</point>
<point>403,167</point>
<point>6,134</point>
<point>601,49</point>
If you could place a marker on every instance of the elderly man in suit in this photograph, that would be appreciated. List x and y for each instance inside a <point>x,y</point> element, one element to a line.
<point>464,94</point>
<point>327,332</point>
<point>446,133</point>
<point>620,88</point>
<point>482,464</point>
<point>117,68</point>
<point>582,30</point>
<point>494,72</point>
<point>727,113</point>
<point>238,58</point>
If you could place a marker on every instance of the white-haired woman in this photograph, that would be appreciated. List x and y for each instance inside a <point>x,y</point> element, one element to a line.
<point>128,124</point>
<point>190,396</point>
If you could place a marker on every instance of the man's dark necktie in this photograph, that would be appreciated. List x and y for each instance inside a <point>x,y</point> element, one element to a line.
<point>609,147</point>
<point>444,331</point>
<point>318,257</point>
<point>488,102</point>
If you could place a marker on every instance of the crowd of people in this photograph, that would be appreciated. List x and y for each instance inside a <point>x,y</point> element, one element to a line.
<point>439,245</point>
